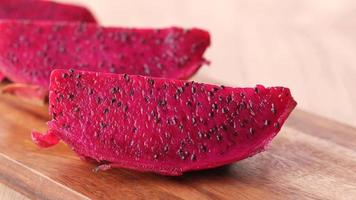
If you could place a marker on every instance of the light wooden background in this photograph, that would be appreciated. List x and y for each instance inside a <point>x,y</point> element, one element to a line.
<point>307,45</point>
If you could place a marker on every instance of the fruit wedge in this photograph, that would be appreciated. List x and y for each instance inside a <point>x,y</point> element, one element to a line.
<point>161,125</point>
<point>29,51</point>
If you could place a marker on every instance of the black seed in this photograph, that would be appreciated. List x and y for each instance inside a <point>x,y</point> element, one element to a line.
<point>220,98</point>
<point>180,90</point>
<point>180,151</point>
<point>210,94</point>
<point>215,89</point>
<point>147,99</point>
<point>134,129</point>
<point>223,127</point>
<point>256,90</point>
<point>157,119</point>
<point>126,107</point>
<point>180,127</point>
<point>153,113</point>
<point>252,112</point>
<point>174,121</point>
<point>193,157</point>
<point>126,77</point>
<point>71,71</point>
<point>106,110</point>
<point>193,120</point>
<point>228,98</point>
<point>102,125</point>
<point>277,125</point>
<point>151,81</point>
<point>211,114</point>
<point>252,131</point>
<point>273,109</point>
<point>218,137</point>
<point>222,86</point>
<point>235,133</point>
<point>234,125</point>
<point>64,75</point>
<point>119,103</point>
<point>200,134</point>
<point>162,102</point>
<point>113,100</point>
<point>206,135</point>
<point>155,156</point>
<point>202,148</point>
<point>189,103</point>
<point>193,90</point>
<point>250,104</point>
<point>224,110</point>
<point>267,122</point>
<point>98,100</point>
<point>132,92</point>
<point>114,90</point>
<point>165,149</point>
<point>54,115</point>
<point>214,106</point>
<point>78,76</point>
<point>241,106</point>
<point>70,96</point>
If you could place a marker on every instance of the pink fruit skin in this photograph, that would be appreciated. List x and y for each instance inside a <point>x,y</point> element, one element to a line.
<point>29,51</point>
<point>161,125</point>
<point>43,10</point>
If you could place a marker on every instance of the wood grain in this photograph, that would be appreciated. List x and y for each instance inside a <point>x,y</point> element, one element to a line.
<point>312,158</point>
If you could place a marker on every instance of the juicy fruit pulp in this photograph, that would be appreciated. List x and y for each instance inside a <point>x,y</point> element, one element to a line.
<point>161,125</point>
<point>29,51</point>
<point>43,10</point>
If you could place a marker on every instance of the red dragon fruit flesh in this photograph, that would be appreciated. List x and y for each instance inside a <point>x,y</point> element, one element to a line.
<point>43,10</point>
<point>160,125</point>
<point>29,51</point>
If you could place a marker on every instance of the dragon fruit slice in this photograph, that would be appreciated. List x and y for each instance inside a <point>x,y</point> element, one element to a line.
<point>161,125</point>
<point>43,10</point>
<point>29,51</point>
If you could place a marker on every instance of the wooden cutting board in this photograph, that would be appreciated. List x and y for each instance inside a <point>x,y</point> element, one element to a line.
<point>311,158</point>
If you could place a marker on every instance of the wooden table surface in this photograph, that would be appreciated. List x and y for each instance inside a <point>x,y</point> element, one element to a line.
<point>307,45</point>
